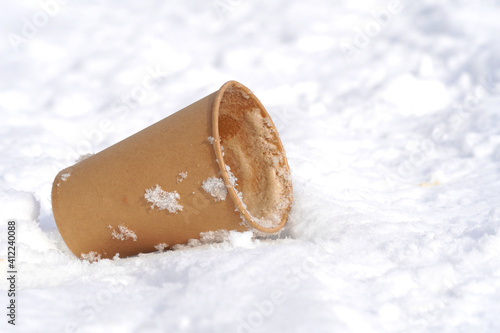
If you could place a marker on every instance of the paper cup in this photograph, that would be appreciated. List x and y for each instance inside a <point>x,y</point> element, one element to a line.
<point>217,164</point>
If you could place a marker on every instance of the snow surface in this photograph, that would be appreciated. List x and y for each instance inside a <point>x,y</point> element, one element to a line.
<point>392,132</point>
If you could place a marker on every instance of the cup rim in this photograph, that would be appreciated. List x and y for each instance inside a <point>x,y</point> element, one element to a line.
<point>247,217</point>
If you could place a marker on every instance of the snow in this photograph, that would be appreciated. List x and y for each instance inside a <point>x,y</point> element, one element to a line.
<point>163,199</point>
<point>215,187</point>
<point>92,256</point>
<point>181,176</point>
<point>18,204</point>
<point>232,178</point>
<point>242,239</point>
<point>161,247</point>
<point>224,239</point>
<point>82,157</point>
<point>65,176</point>
<point>123,233</point>
<point>394,150</point>
<point>208,237</point>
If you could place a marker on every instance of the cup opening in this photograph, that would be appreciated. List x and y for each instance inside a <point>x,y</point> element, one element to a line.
<point>251,158</point>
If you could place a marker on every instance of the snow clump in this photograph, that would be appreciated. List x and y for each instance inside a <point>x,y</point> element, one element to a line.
<point>163,200</point>
<point>124,233</point>
<point>181,176</point>
<point>92,256</point>
<point>215,187</point>
<point>161,247</point>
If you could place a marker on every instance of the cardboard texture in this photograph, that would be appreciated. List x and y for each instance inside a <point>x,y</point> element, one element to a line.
<point>170,182</point>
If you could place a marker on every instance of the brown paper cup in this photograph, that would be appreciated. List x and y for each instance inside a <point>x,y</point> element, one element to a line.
<point>217,164</point>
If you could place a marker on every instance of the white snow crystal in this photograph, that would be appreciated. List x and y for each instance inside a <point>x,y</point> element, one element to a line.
<point>83,157</point>
<point>92,256</point>
<point>124,233</point>
<point>65,176</point>
<point>181,176</point>
<point>211,140</point>
<point>233,180</point>
<point>232,177</point>
<point>215,187</point>
<point>161,247</point>
<point>163,200</point>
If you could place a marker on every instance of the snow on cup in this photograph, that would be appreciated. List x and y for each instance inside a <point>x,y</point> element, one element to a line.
<point>216,165</point>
